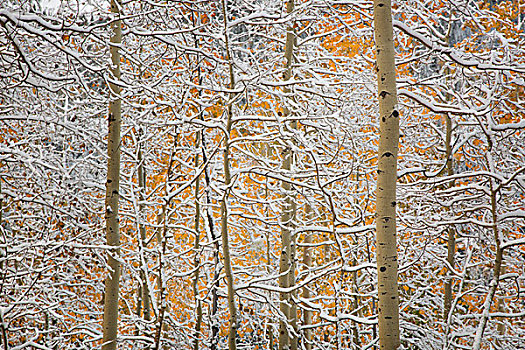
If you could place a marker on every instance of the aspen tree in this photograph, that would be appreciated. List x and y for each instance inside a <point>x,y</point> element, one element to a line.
<point>3,331</point>
<point>451,241</point>
<point>498,261</point>
<point>162,237</point>
<point>144,289</point>
<point>232,334</point>
<point>387,265</point>
<point>214,308</point>
<point>196,259</point>
<point>196,245</point>
<point>307,261</point>
<point>144,297</point>
<point>111,296</point>
<point>287,259</point>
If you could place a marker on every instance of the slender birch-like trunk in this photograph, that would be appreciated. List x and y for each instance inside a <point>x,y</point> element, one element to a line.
<point>3,323</point>
<point>216,248</point>
<point>143,291</point>
<point>498,262</point>
<point>196,259</point>
<point>287,259</point>
<point>387,265</point>
<point>144,288</point>
<point>355,306</point>
<point>161,236</point>
<point>232,334</point>
<point>269,267</point>
<point>501,309</point>
<point>111,294</point>
<point>307,261</point>
<point>451,240</point>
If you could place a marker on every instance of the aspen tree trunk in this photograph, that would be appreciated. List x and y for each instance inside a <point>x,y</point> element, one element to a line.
<point>216,246</point>
<point>3,324</point>
<point>287,259</point>
<point>161,301</point>
<point>232,334</point>
<point>307,314</point>
<point>1,219</point>
<point>373,308</point>
<point>307,261</point>
<point>498,263</point>
<point>111,294</point>
<point>196,245</point>
<point>161,236</point>
<point>196,259</point>
<point>501,309</point>
<point>144,289</point>
<point>356,340</point>
<point>387,265</point>
<point>211,226</point>
<point>451,241</point>
<point>493,283</point>
<point>201,142</point>
<point>269,267</point>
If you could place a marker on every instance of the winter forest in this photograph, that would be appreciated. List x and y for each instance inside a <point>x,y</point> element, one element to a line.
<point>262,174</point>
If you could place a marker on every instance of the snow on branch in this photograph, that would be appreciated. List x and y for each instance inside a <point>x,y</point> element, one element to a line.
<point>453,54</point>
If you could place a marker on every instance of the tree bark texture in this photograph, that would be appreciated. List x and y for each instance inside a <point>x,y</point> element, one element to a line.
<point>288,325</point>
<point>196,259</point>
<point>451,240</point>
<point>307,314</point>
<point>498,263</point>
<point>144,290</point>
<point>111,295</point>
<point>214,307</point>
<point>387,265</point>
<point>162,237</point>
<point>232,334</point>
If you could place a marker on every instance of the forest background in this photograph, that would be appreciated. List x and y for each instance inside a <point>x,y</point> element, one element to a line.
<point>246,173</point>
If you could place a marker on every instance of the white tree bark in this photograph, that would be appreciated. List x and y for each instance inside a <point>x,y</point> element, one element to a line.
<point>387,265</point>
<point>111,296</point>
<point>288,339</point>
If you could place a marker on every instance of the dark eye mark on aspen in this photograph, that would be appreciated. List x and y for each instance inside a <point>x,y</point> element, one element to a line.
<point>395,114</point>
<point>393,204</point>
<point>387,154</point>
<point>382,269</point>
